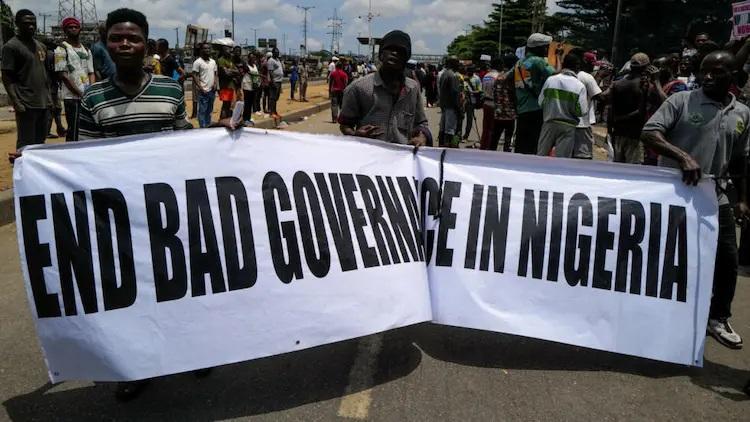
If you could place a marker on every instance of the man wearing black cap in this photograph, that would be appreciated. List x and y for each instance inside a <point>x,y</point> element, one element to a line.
<point>385,104</point>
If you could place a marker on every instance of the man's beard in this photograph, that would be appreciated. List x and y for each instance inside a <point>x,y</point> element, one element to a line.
<point>392,74</point>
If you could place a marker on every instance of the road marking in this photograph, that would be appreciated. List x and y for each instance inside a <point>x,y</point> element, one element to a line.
<point>356,403</point>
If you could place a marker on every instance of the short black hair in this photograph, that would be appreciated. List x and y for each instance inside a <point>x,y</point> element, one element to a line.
<point>23,13</point>
<point>509,60</point>
<point>127,15</point>
<point>162,41</point>
<point>496,63</point>
<point>572,61</point>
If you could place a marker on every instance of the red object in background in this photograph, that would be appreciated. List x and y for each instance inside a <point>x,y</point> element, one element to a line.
<point>226,94</point>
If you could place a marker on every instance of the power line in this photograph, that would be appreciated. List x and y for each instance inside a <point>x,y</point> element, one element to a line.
<point>85,10</point>
<point>370,16</point>
<point>44,20</point>
<point>336,25</point>
<point>304,25</point>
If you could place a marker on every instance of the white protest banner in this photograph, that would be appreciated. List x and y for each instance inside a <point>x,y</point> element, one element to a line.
<point>607,256</point>
<point>161,254</point>
<point>740,19</point>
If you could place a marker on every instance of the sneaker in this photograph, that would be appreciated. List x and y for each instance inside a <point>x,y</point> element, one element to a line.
<point>258,113</point>
<point>723,333</point>
<point>129,390</point>
<point>249,123</point>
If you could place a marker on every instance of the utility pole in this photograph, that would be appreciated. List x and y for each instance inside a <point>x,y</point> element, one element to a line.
<point>233,19</point>
<point>336,24</point>
<point>177,37</point>
<point>616,35</point>
<point>44,21</point>
<point>369,18</point>
<point>539,11</point>
<point>500,36</point>
<point>255,31</point>
<point>283,42</point>
<point>304,25</point>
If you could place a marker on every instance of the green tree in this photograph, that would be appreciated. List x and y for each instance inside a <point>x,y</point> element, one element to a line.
<point>653,26</point>
<point>8,21</point>
<point>483,39</point>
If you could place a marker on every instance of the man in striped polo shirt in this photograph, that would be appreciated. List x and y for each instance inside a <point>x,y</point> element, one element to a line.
<point>563,100</point>
<point>132,102</point>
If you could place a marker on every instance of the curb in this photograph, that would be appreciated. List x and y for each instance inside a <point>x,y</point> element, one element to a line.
<point>7,207</point>
<point>297,115</point>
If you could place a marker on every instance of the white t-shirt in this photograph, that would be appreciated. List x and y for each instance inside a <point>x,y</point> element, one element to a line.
<point>206,71</point>
<point>331,67</point>
<point>78,62</point>
<point>592,90</point>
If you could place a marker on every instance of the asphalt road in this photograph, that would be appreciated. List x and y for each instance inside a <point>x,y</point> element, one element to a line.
<point>425,372</point>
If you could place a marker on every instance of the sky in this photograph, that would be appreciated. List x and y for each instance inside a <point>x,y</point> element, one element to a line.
<point>432,24</point>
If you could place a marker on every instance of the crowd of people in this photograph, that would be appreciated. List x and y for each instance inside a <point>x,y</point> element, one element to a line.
<point>685,109</point>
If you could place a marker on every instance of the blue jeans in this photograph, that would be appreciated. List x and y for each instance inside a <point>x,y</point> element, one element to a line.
<point>205,107</point>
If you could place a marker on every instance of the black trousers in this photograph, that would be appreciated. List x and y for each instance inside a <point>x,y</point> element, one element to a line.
<point>249,97</point>
<point>337,98</point>
<point>72,109</point>
<point>503,127</point>
<point>725,272</point>
<point>273,96</point>
<point>527,132</point>
<point>31,126</point>
<point>469,119</point>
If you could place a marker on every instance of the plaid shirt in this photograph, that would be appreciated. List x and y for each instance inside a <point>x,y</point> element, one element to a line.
<point>504,98</point>
<point>368,102</point>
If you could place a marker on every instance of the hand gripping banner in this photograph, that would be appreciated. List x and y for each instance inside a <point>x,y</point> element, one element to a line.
<point>152,255</point>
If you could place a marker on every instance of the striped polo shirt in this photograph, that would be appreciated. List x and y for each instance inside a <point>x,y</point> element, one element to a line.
<point>108,112</point>
<point>563,98</point>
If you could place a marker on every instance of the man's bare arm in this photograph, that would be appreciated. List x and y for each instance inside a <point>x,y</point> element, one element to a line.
<point>10,87</point>
<point>691,170</point>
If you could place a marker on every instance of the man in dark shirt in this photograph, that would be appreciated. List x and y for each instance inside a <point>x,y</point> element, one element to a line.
<point>104,67</point>
<point>25,80</point>
<point>450,90</point>
<point>631,98</point>
<point>169,64</point>
<point>385,104</point>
